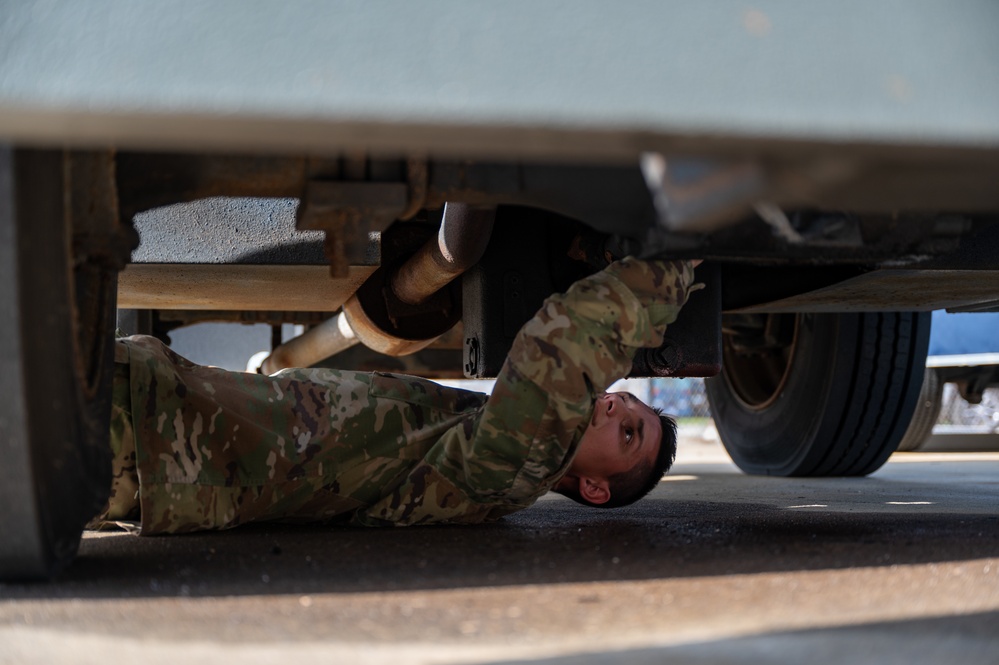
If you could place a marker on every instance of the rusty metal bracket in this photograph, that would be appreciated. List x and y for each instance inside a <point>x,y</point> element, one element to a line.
<point>353,215</point>
<point>418,181</point>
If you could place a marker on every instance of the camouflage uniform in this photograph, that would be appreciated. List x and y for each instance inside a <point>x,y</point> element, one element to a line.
<point>202,448</point>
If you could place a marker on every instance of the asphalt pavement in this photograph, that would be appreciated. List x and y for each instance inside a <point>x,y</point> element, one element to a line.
<point>714,567</point>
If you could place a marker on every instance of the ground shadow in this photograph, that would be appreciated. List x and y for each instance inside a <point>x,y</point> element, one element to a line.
<point>668,535</point>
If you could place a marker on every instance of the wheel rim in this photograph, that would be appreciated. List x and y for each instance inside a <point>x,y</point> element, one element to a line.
<point>758,352</point>
<point>96,253</point>
<point>90,326</point>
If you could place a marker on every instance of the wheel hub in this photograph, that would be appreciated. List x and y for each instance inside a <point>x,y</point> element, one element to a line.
<point>757,352</point>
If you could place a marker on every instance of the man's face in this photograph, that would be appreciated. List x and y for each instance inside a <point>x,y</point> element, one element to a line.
<point>622,433</point>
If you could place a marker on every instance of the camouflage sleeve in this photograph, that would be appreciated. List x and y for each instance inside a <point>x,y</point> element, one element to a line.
<point>575,347</point>
<point>586,338</point>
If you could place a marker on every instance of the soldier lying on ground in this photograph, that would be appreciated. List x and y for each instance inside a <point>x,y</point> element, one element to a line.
<point>203,448</point>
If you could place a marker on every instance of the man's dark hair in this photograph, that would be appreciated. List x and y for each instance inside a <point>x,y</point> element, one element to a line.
<point>631,485</point>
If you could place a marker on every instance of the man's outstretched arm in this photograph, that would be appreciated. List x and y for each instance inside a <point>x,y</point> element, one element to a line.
<point>586,338</point>
<point>574,348</point>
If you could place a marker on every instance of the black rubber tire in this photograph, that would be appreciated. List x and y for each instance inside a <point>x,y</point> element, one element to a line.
<point>927,412</point>
<point>55,360</point>
<point>844,397</point>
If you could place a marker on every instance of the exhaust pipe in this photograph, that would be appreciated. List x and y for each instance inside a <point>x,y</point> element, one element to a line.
<point>460,243</point>
<point>328,338</point>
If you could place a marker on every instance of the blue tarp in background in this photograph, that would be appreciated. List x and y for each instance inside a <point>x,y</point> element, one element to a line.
<point>958,334</point>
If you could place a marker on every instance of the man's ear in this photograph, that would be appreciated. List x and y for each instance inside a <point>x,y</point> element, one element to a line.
<point>593,490</point>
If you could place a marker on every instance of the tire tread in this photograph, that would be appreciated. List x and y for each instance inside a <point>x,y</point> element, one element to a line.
<point>863,385</point>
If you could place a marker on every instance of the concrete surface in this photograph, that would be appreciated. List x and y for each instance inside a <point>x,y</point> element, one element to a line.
<point>715,567</point>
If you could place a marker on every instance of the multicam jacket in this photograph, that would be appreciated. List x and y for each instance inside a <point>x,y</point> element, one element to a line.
<point>202,448</point>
